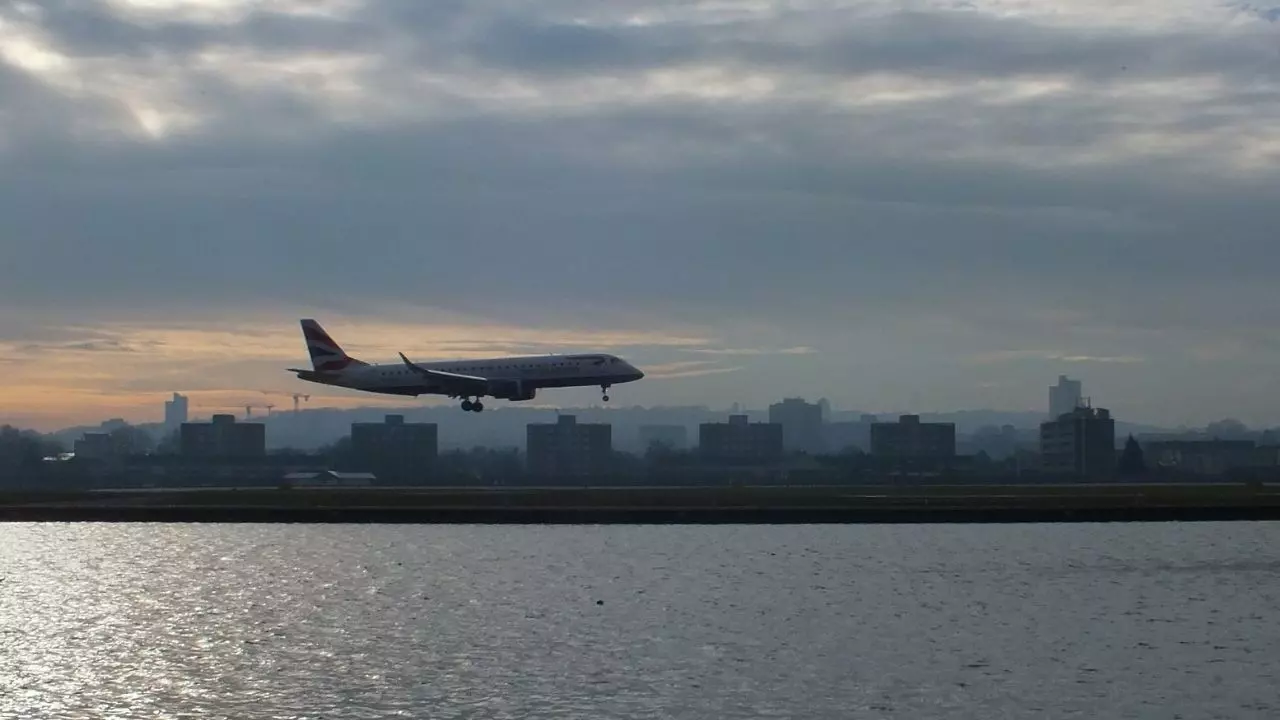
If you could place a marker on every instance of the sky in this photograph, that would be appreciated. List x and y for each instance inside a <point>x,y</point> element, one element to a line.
<point>899,206</point>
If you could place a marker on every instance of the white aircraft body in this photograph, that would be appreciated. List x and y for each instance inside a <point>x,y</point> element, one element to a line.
<point>507,378</point>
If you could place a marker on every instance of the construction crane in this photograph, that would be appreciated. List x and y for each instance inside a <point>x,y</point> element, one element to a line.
<point>296,397</point>
<point>248,409</point>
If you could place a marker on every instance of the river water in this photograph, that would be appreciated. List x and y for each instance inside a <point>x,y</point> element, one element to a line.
<point>375,621</point>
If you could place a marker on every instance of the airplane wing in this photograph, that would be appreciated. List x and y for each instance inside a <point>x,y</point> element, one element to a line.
<point>462,384</point>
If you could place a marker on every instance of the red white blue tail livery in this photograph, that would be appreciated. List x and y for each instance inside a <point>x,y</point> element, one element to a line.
<point>326,355</point>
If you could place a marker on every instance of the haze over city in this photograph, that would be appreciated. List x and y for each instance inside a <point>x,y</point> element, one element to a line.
<point>909,206</point>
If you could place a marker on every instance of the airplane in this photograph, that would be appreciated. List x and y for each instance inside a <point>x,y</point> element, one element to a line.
<point>506,378</point>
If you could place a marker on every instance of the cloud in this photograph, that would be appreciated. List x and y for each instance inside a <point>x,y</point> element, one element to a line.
<point>1270,14</point>
<point>905,186</point>
<point>686,369</point>
<point>798,350</point>
<point>1003,356</point>
<point>82,346</point>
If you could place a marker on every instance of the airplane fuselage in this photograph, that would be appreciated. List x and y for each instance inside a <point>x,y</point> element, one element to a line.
<point>510,375</point>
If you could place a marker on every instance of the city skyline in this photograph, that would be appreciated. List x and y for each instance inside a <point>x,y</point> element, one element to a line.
<point>300,422</point>
<point>150,360</point>
<point>899,206</point>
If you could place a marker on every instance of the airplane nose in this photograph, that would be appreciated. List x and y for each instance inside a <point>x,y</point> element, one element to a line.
<point>637,372</point>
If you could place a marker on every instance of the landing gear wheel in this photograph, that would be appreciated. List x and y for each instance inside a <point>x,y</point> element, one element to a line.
<point>467,406</point>
<point>477,406</point>
<point>605,398</point>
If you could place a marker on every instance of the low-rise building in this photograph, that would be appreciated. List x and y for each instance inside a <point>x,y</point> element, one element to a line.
<point>395,449</point>
<point>740,441</point>
<point>1201,457</point>
<point>95,446</point>
<point>910,439</point>
<point>568,448</point>
<point>223,438</point>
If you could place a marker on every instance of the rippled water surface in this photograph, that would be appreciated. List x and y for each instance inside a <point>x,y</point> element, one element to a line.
<point>352,621</point>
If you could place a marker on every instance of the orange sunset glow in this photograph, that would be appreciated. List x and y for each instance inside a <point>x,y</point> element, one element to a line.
<point>128,370</point>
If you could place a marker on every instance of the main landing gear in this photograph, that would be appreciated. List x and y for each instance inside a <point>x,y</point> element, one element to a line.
<point>604,389</point>
<point>472,405</point>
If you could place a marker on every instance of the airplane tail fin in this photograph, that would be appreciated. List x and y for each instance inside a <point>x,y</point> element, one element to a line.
<point>326,355</point>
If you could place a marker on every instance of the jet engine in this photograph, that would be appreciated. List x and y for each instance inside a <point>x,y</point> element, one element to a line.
<point>511,390</point>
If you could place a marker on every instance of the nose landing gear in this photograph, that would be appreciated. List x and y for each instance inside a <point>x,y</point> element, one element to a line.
<point>604,389</point>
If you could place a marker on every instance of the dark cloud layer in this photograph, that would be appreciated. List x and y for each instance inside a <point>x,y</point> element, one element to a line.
<point>834,175</point>
<point>546,39</point>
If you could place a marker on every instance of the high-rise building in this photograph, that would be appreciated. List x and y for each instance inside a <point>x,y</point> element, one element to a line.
<point>1080,443</point>
<point>801,425</point>
<point>740,441</point>
<point>1064,397</point>
<point>175,413</point>
<point>223,438</point>
<point>568,448</point>
<point>394,448</point>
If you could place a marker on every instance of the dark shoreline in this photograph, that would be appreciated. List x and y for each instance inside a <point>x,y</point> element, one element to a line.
<point>758,505</point>
<point>568,516</point>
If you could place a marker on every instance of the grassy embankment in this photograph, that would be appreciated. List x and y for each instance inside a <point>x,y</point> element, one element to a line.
<point>917,503</point>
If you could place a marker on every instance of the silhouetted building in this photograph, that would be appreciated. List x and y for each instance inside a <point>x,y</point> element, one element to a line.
<point>1080,443</point>
<point>672,437</point>
<point>175,413</point>
<point>1064,397</point>
<point>740,441</point>
<point>95,446</point>
<point>910,439</point>
<point>223,438</point>
<point>801,425</point>
<point>568,448</point>
<point>395,448</point>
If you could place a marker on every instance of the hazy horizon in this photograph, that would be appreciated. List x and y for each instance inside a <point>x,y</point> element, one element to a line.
<point>921,205</point>
<point>375,408</point>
